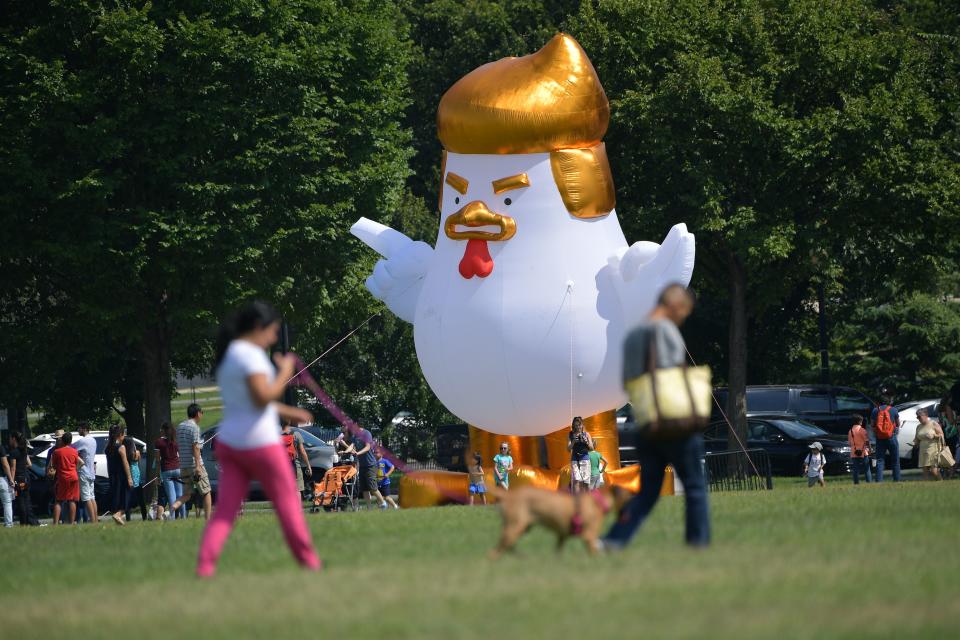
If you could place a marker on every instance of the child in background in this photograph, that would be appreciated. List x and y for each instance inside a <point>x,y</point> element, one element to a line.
<point>502,466</point>
<point>384,469</point>
<point>66,463</point>
<point>813,465</point>
<point>598,464</point>
<point>477,487</point>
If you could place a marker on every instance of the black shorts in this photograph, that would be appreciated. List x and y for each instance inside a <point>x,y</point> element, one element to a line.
<point>368,479</point>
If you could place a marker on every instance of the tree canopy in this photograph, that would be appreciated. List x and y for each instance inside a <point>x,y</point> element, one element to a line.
<point>162,161</point>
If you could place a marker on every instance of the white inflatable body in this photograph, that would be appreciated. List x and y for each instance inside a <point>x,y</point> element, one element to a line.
<point>505,352</point>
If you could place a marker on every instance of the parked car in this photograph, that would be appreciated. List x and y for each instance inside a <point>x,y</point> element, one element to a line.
<point>787,442</point>
<point>41,493</point>
<point>320,453</point>
<point>828,407</point>
<point>627,436</point>
<point>453,446</point>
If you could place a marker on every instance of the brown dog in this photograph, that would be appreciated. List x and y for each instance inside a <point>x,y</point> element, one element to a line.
<point>565,514</point>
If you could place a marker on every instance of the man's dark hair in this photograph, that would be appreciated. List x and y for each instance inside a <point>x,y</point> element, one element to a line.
<point>886,397</point>
<point>66,438</point>
<point>857,418</point>
<point>672,291</point>
<point>83,427</point>
<point>193,410</point>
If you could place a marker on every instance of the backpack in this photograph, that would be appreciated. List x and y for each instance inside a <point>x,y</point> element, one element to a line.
<point>884,426</point>
<point>288,442</point>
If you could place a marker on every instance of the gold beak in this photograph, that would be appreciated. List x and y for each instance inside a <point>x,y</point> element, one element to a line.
<point>476,214</point>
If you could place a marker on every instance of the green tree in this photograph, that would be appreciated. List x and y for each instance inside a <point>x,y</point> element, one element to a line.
<point>791,136</point>
<point>162,161</point>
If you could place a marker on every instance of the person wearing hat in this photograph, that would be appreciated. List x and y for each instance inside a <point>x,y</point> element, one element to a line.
<point>813,465</point>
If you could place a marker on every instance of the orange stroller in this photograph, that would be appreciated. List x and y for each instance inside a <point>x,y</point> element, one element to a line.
<point>336,489</point>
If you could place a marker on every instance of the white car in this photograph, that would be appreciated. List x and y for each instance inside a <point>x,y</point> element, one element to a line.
<point>41,445</point>
<point>909,423</point>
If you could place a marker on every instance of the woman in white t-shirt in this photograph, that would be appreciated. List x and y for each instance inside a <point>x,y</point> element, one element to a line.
<point>248,444</point>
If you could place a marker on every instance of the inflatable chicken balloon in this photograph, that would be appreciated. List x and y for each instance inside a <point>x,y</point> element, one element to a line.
<point>521,309</point>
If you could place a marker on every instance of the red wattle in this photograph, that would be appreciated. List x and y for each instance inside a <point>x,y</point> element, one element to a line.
<point>476,260</point>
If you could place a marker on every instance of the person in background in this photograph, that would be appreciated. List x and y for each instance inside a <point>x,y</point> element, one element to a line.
<point>598,464</point>
<point>886,426</point>
<point>86,446</point>
<point>248,443</point>
<point>118,472</point>
<point>502,466</point>
<point>859,441</point>
<point>19,463</point>
<point>477,482</point>
<point>363,443</point>
<point>951,430</point>
<point>50,473</point>
<point>7,491</point>
<point>192,469</point>
<point>135,494</point>
<point>293,443</point>
<point>686,454</point>
<point>930,441</point>
<point>346,452</point>
<point>579,444</point>
<point>168,459</point>
<point>67,463</point>
<point>385,469</point>
<point>813,465</point>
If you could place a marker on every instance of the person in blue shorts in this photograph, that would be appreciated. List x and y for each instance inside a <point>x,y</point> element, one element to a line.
<point>384,469</point>
<point>477,488</point>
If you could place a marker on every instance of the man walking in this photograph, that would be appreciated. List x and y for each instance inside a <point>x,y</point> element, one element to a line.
<point>886,426</point>
<point>685,454</point>
<point>368,467</point>
<point>191,463</point>
<point>86,447</point>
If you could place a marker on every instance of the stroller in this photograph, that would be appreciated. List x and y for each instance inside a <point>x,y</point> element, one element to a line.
<point>336,489</point>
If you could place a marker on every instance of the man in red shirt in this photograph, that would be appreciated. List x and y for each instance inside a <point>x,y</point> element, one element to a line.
<point>66,462</point>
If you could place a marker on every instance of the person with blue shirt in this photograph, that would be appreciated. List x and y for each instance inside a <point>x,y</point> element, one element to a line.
<point>384,469</point>
<point>362,443</point>
<point>502,466</point>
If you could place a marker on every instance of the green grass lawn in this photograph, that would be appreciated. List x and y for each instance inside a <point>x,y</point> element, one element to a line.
<point>876,561</point>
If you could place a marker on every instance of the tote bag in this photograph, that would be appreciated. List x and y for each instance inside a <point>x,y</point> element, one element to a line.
<point>671,402</point>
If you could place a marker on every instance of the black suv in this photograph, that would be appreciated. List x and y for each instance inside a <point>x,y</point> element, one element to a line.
<point>827,407</point>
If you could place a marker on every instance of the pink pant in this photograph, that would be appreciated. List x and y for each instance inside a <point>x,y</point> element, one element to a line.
<point>271,466</point>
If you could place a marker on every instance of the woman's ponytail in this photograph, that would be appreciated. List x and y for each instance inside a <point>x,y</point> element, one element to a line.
<point>252,315</point>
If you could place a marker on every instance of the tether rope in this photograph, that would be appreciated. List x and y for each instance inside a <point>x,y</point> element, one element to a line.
<point>729,424</point>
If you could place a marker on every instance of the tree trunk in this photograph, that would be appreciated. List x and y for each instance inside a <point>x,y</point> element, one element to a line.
<point>156,385</point>
<point>737,394</point>
<point>130,389</point>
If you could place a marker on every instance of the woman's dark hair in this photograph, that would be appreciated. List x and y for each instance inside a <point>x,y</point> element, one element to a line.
<point>477,457</point>
<point>252,315</point>
<point>857,418</point>
<point>16,435</point>
<point>166,427</point>
<point>113,435</point>
<point>576,420</point>
<point>129,445</point>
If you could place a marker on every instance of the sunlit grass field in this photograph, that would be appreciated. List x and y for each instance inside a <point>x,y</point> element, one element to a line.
<point>877,561</point>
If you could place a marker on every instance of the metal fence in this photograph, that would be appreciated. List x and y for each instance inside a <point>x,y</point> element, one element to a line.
<point>733,471</point>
